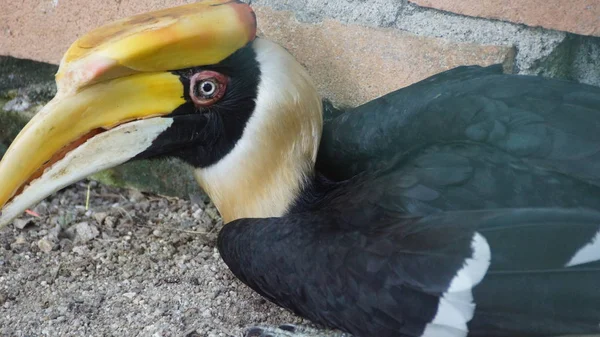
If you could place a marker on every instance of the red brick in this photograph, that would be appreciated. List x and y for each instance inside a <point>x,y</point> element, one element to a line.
<point>351,64</point>
<point>575,16</point>
<point>354,64</point>
<point>41,31</point>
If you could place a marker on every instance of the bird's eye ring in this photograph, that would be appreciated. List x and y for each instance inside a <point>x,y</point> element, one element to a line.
<point>207,87</point>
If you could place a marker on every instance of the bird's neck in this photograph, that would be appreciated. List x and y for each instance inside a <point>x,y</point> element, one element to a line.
<point>267,185</point>
<point>269,165</point>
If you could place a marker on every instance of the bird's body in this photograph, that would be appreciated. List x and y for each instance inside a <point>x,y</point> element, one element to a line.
<point>467,204</point>
<point>414,180</point>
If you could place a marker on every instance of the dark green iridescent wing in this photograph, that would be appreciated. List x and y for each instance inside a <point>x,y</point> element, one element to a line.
<point>552,124</point>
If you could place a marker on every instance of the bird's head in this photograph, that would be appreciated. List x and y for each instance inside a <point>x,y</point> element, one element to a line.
<point>191,82</point>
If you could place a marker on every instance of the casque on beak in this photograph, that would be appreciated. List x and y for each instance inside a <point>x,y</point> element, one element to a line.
<point>114,85</point>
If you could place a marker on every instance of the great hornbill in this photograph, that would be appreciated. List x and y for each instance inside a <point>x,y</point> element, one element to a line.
<point>464,205</point>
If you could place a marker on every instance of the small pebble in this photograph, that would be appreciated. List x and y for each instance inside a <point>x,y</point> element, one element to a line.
<point>129,295</point>
<point>198,214</point>
<point>20,240</point>
<point>136,196</point>
<point>81,250</point>
<point>110,221</point>
<point>84,232</point>
<point>22,223</point>
<point>45,245</point>
<point>100,216</point>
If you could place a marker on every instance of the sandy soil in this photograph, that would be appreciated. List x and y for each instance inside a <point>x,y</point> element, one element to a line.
<point>131,265</point>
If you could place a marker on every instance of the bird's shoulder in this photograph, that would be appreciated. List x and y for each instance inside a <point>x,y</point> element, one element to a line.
<point>546,121</point>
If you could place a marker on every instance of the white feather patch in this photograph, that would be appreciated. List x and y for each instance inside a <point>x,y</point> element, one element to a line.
<point>456,307</point>
<point>588,253</point>
<point>261,176</point>
<point>103,151</point>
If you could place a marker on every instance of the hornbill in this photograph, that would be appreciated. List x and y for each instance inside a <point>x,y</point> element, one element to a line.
<point>467,204</point>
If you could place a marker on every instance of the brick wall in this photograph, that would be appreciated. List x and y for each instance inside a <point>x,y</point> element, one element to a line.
<point>358,50</point>
<point>575,16</point>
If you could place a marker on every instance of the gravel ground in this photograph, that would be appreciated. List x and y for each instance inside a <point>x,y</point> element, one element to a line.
<point>131,265</point>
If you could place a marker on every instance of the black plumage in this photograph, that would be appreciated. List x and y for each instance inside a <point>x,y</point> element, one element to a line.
<point>386,280</point>
<point>412,188</point>
<point>201,136</point>
<point>464,205</point>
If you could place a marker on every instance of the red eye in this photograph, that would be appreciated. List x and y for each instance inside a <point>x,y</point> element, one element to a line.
<point>207,87</point>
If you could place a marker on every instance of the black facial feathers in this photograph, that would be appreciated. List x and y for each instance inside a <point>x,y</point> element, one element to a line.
<point>201,136</point>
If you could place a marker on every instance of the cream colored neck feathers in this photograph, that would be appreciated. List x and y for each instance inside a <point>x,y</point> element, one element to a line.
<point>264,173</point>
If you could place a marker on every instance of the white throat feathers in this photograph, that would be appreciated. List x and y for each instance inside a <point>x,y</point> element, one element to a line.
<point>266,170</point>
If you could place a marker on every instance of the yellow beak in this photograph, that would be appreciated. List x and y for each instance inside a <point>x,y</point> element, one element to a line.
<point>111,83</point>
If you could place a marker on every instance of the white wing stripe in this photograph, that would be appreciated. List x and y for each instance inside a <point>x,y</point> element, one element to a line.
<point>588,253</point>
<point>456,307</point>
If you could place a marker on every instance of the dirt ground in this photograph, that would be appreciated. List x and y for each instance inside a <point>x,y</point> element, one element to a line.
<point>131,265</point>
